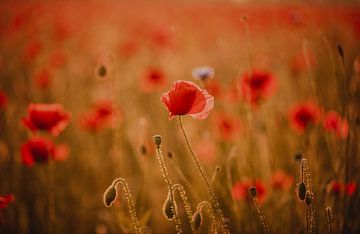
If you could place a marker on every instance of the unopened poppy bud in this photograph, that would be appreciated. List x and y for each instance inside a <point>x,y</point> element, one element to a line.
<point>298,156</point>
<point>252,191</point>
<point>169,209</point>
<point>196,220</point>
<point>143,149</point>
<point>301,191</point>
<point>157,140</point>
<point>110,195</point>
<point>102,71</point>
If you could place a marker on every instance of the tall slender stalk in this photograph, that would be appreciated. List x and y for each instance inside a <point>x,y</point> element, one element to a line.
<point>214,200</point>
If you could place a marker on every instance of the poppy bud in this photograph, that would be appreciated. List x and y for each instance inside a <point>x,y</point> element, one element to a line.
<point>110,195</point>
<point>157,140</point>
<point>196,220</point>
<point>252,191</point>
<point>301,191</point>
<point>169,209</point>
<point>102,71</point>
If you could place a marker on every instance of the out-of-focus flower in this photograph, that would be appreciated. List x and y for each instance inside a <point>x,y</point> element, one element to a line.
<point>299,64</point>
<point>185,97</point>
<point>240,190</point>
<point>214,88</point>
<point>102,115</point>
<point>57,59</point>
<point>5,200</point>
<point>3,100</point>
<point>303,115</point>
<point>128,48</point>
<point>203,73</point>
<point>42,150</point>
<point>227,126</point>
<point>152,79</point>
<point>281,181</point>
<point>43,78</point>
<point>257,86</point>
<point>47,117</point>
<point>336,187</point>
<point>32,50</point>
<point>335,124</point>
<point>206,149</point>
<point>350,188</point>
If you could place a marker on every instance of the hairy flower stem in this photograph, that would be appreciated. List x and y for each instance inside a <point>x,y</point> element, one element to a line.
<point>214,200</point>
<point>130,202</point>
<point>261,215</point>
<point>185,200</point>
<point>205,204</point>
<point>170,185</point>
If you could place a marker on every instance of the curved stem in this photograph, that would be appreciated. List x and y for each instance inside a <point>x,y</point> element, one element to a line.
<point>130,203</point>
<point>185,200</point>
<point>205,204</point>
<point>169,184</point>
<point>214,200</point>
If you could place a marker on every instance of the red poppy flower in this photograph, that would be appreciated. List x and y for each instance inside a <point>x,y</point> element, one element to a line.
<point>256,86</point>
<point>350,188</point>
<point>335,124</point>
<point>43,78</point>
<point>227,126</point>
<point>32,50</point>
<point>240,190</point>
<point>153,79</point>
<point>102,115</point>
<point>185,97</point>
<point>5,200</point>
<point>281,181</point>
<point>57,59</point>
<point>128,48</point>
<point>302,115</point>
<point>42,150</point>
<point>3,100</point>
<point>47,117</point>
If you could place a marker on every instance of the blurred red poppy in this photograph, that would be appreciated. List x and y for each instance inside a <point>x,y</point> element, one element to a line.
<point>5,200</point>
<point>350,188</point>
<point>186,97</point>
<point>240,190</point>
<point>102,115</point>
<point>42,150</point>
<point>227,125</point>
<point>3,100</point>
<point>303,115</point>
<point>256,86</point>
<point>335,124</point>
<point>47,117</point>
<point>281,181</point>
<point>214,88</point>
<point>152,80</point>
<point>43,78</point>
<point>32,50</point>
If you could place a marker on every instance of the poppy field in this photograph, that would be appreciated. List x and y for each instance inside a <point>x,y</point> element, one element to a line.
<point>179,117</point>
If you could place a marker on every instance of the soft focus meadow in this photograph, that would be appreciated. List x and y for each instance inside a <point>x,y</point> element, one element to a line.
<point>179,117</point>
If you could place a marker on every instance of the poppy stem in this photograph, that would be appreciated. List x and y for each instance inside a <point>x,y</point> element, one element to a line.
<point>214,200</point>
<point>130,202</point>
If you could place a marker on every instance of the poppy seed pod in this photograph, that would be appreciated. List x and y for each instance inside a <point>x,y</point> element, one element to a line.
<point>110,195</point>
<point>252,191</point>
<point>308,198</point>
<point>157,140</point>
<point>196,220</point>
<point>301,191</point>
<point>102,71</point>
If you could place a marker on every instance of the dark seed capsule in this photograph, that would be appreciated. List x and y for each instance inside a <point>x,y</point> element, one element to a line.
<point>157,140</point>
<point>301,191</point>
<point>298,156</point>
<point>196,220</point>
<point>143,149</point>
<point>102,71</point>
<point>252,191</point>
<point>110,196</point>
<point>170,155</point>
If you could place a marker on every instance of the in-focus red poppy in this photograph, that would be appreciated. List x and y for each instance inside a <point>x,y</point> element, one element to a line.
<point>281,181</point>
<point>47,117</point>
<point>257,86</point>
<point>5,200</point>
<point>3,100</point>
<point>335,124</point>
<point>240,190</point>
<point>153,79</point>
<point>102,115</point>
<point>187,98</point>
<point>303,115</point>
<point>42,150</point>
<point>227,126</point>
